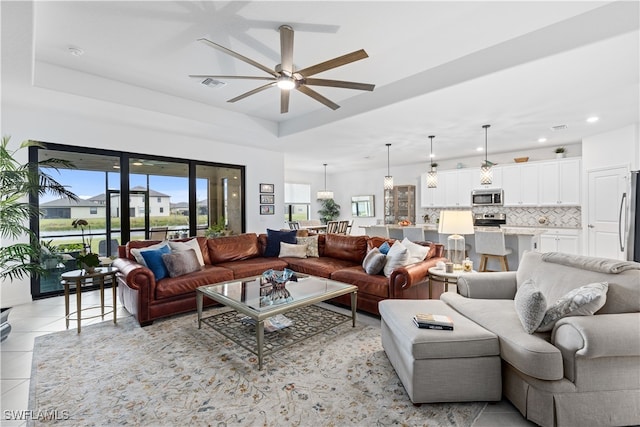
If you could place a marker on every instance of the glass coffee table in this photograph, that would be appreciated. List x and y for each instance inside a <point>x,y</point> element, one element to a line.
<point>244,296</point>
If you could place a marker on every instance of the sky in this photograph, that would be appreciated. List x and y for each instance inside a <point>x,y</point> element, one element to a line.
<point>87,184</point>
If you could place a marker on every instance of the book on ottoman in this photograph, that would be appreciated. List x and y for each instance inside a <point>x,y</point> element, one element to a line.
<point>433,321</point>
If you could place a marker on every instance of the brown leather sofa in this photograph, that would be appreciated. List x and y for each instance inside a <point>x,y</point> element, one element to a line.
<point>239,256</point>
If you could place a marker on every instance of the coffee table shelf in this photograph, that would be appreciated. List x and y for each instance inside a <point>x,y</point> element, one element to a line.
<point>243,296</point>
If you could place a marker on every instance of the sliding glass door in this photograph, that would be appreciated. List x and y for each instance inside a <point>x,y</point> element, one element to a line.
<point>125,196</point>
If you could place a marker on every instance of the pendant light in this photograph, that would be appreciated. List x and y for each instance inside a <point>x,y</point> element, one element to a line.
<point>325,194</point>
<point>486,174</point>
<point>388,180</point>
<point>432,175</point>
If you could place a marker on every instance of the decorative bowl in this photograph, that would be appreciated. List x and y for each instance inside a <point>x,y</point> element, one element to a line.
<point>521,159</point>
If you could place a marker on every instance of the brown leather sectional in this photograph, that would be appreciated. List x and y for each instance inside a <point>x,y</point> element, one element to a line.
<point>239,256</point>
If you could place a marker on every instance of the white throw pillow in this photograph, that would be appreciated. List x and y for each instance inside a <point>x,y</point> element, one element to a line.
<point>582,301</point>
<point>292,251</point>
<point>137,251</point>
<point>397,256</point>
<point>185,246</point>
<point>417,253</point>
<point>530,305</point>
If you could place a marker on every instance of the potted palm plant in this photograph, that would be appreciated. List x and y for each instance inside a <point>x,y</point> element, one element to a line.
<point>18,182</point>
<point>330,210</point>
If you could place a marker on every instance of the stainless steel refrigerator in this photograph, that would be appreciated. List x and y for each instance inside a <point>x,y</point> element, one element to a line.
<point>629,221</point>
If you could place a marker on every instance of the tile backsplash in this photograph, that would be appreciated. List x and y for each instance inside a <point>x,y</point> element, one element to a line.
<point>563,217</point>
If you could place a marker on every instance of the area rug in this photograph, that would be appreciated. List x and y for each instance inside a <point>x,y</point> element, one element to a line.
<point>173,374</point>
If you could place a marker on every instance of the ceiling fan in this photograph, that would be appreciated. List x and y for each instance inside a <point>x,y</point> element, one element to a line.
<point>287,78</point>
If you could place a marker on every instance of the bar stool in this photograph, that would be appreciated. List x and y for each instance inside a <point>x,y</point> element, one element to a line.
<point>490,244</point>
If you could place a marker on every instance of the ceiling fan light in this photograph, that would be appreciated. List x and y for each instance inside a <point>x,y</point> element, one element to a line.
<point>286,83</point>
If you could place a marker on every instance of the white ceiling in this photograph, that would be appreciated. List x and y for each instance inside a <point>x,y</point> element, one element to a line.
<point>440,68</point>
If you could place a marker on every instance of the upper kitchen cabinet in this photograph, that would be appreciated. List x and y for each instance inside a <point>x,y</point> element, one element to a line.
<point>453,190</point>
<point>458,186</point>
<point>559,183</point>
<point>520,183</point>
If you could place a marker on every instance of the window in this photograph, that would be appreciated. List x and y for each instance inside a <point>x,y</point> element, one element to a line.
<point>297,198</point>
<point>93,211</point>
<point>159,199</point>
<point>161,209</point>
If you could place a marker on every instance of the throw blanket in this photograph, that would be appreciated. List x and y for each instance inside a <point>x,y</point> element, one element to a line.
<point>600,265</point>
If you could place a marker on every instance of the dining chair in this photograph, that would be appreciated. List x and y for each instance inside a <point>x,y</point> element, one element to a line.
<point>490,244</point>
<point>342,227</point>
<point>158,233</point>
<point>332,227</point>
<point>349,227</point>
<point>294,225</point>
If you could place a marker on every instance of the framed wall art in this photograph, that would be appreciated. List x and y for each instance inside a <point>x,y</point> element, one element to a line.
<point>266,188</point>
<point>267,199</point>
<point>267,209</point>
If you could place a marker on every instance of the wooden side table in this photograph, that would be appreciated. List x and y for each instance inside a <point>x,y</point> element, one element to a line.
<point>440,275</point>
<point>80,279</point>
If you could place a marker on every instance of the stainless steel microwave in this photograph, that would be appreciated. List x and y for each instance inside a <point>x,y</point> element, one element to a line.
<point>487,197</point>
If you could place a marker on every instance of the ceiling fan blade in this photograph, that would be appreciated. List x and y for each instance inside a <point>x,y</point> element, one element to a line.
<point>286,48</point>
<point>339,83</point>
<point>238,56</point>
<point>315,95</point>
<point>284,101</point>
<point>333,63</point>
<point>230,77</point>
<point>252,92</point>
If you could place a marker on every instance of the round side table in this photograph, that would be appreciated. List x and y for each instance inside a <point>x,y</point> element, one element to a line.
<point>441,275</point>
<point>81,279</point>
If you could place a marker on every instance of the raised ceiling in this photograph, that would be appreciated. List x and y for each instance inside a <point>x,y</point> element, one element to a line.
<point>441,68</point>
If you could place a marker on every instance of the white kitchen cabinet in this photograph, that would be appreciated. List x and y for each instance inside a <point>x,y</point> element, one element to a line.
<point>559,183</point>
<point>561,240</point>
<point>458,186</point>
<point>520,184</point>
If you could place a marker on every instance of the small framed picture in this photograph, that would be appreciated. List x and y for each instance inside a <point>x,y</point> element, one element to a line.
<point>267,209</point>
<point>267,199</point>
<point>266,188</point>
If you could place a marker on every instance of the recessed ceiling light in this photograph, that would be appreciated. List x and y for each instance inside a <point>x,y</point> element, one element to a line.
<point>137,163</point>
<point>542,139</point>
<point>76,51</point>
<point>593,119</point>
<point>479,149</point>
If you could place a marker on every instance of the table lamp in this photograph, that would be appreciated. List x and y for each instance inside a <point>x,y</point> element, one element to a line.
<point>456,223</point>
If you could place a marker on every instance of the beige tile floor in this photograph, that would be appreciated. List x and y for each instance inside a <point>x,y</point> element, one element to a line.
<point>45,316</point>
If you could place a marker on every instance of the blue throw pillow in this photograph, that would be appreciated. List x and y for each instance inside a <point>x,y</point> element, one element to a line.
<point>384,248</point>
<point>155,263</point>
<point>274,237</point>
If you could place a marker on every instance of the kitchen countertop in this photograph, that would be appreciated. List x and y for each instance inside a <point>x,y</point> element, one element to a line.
<point>522,230</point>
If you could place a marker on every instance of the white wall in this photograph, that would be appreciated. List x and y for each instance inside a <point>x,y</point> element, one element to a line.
<point>620,147</point>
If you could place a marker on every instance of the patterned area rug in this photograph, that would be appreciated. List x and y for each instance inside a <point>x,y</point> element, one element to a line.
<point>172,373</point>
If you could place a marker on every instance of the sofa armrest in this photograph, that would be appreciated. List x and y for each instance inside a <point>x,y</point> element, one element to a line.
<point>402,278</point>
<point>602,335</point>
<point>137,284</point>
<point>493,285</point>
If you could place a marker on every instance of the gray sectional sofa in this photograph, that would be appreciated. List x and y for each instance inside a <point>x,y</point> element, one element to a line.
<point>586,369</point>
